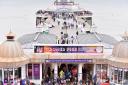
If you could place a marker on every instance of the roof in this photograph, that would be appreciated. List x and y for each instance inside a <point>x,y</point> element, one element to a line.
<point>120,50</point>
<point>92,38</point>
<point>11,53</point>
<point>119,56</point>
<point>38,37</point>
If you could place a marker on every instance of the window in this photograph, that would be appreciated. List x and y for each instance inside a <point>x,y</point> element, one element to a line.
<point>34,71</point>
<point>8,73</point>
<point>101,71</point>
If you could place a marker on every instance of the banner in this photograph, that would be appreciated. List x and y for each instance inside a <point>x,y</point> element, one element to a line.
<point>69,60</point>
<point>68,49</point>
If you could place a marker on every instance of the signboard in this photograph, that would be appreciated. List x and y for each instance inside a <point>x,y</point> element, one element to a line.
<point>68,49</point>
<point>36,71</point>
<point>69,60</point>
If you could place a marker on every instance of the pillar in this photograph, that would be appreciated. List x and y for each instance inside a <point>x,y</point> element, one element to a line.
<point>80,72</point>
<point>94,70</point>
<point>13,70</point>
<point>114,75</point>
<point>23,72</point>
<point>101,72</point>
<point>110,74</point>
<point>117,75</point>
<point>40,71</point>
<point>2,74</point>
<point>55,71</point>
<point>122,76</point>
<point>108,71</point>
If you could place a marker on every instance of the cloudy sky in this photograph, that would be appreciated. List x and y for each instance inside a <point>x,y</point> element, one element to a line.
<point>110,16</point>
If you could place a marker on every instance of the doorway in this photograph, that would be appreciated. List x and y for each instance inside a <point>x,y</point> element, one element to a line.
<point>87,72</point>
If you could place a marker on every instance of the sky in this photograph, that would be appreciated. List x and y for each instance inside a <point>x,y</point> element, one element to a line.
<point>109,16</point>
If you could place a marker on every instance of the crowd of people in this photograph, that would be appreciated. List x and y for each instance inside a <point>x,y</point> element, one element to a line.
<point>68,24</point>
<point>18,81</point>
<point>67,75</point>
<point>69,27</point>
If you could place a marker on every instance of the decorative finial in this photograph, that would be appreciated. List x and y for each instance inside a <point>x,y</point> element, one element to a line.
<point>10,35</point>
<point>125,35</point>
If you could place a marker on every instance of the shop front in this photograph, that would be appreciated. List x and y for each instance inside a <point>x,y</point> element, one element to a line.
<point>76,70</point>
<point>70,62</point>
<point>64,69</point>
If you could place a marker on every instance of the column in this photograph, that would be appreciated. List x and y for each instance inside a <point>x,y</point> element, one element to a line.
<point>23,72</point>
<point>2,74</point>
<point>27,70</point>
<point>55,71</point>
<point>40,71</point>
<point>94,70</point>
<point>80,72</point>
<point>113,75</point>
<point>117,75</point>
<point>94,77</point>
<point>101,71</point>
<point>108,71</point>
<point>13,70</point>
<point>122,76</point>
<point>110,74</point>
